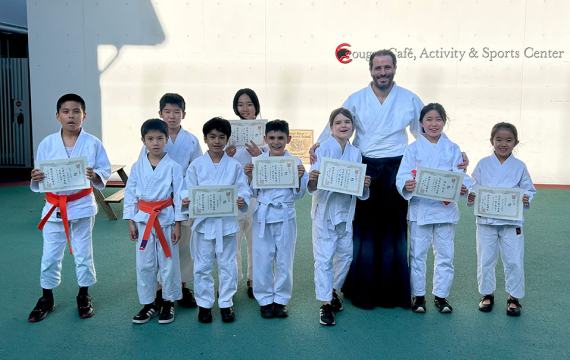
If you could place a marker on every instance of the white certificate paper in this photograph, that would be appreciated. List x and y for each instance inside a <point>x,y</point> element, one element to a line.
<point>341,176</point>
<point>438,184</point>
<point>212,201</point>
<point>63,174</point>
<point>275,172</point>
<point>499,203</point>
<point>244,131</point>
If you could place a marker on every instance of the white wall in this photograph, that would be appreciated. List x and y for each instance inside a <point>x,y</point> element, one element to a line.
<point>123,55</point>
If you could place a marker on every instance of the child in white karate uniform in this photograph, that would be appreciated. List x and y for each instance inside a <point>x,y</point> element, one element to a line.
<point>246,106</point>
<point>214,238</point>
<point>182,147</point>
<point>153,206</point>
<point>501,169</point>
<point>431,221</point>
<point>332,215</point>
<point>76,209</point>
<point>275,230</point>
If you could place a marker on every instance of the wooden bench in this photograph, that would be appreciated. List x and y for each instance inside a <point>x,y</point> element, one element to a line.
<point>116,197</point>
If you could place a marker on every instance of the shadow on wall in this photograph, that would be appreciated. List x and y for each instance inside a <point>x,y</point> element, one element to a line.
<point>64,52</point>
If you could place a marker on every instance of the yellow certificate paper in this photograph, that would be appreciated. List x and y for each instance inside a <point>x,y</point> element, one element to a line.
<point>342,176</point>
<point>438,184</point>
<point>499,203</point>
<point>275,172</point>
<point>212,201</point>
<point>63,174</point>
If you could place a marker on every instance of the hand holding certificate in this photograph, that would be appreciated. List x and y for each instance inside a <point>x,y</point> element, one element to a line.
<point>275,172</point>
<point>244,131</point>
<point>63,174</point>
<point>342,176</point>
<point>499,203</point>
<point>438,184</point>
<point>212,201</point>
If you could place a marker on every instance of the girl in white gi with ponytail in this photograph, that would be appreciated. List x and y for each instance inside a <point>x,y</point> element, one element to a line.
<point>501,169</point>
<point>431,220</point>
<point>332,215</point>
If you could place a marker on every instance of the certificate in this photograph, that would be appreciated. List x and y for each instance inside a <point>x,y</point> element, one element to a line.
<point>342,176</point>
<point>244,131</point>
<point>438,184</point>
<point>63,174</point>
<point>275,172</point>
<point>212,201</point>
<point>499,203</point>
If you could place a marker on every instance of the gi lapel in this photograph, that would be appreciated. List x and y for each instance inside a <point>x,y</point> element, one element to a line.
<point>383,110</point>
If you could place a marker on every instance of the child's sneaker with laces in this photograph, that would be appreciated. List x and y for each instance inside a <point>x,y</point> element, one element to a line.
<point>148,312</point>
<point>166,313</point>
<point>336,303</point>
<point>326,315</point>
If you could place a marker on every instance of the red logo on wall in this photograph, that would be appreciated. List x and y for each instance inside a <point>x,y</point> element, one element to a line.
<point>342,55</point>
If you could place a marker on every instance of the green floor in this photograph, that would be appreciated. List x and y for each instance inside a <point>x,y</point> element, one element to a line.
<point>541,332</point>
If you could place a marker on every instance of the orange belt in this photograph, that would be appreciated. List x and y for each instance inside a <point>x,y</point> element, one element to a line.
<point>154,208</point>
<point>61,201</point>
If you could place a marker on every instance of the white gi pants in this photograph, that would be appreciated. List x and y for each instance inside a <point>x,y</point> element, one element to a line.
<point>204,253</point>
<point>421,237</point>
<point>333,256</point>
<point>54,248</point>
<point>151,261</point>
<point>510,240</point>
<point>186,262</point>
<point>245,228</point>
<point>273,252</point>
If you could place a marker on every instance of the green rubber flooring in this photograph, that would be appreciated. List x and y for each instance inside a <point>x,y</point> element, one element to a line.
<point>543,330</point>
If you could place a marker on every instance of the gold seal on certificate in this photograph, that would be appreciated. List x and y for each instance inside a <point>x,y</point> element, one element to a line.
<point>212,201</point>
<point>342,176</point>
<point>438,184</point>
<point>63,174</point>
<point>499,203</point>
<point>275,172</point>
<point>244,131</point>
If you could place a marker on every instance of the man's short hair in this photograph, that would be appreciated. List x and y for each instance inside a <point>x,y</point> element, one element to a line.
<point>384,52</point>
<point>154,125</point>
<point>254,100</point>
<point>219,124</point>
<point>70,97</point>
<point>173,99</point>
<point>277,125</point>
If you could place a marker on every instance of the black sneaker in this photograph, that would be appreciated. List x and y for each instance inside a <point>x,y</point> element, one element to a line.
<point>250,289</point>
<point>166,313</point>
<point>228,314</point>
<point>419,304</point>
<point>188,301</point>
<point>443,305</point>
<point>280,310</point>
<point>336,303</point>
<point>43,307</point>
<point>204,315</point>
<point>267,311</point>
<point>327,315</point>
<point>148,312</point>
<point>84,307</point>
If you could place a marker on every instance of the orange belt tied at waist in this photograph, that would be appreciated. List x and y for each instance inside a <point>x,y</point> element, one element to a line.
<point>154,208</point>
<point>60,201</point>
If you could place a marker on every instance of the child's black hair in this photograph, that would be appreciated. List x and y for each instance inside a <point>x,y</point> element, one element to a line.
<point>277,125</point>
<point>218,124</point>
<point>70,97</point>
<point>174,99</point>
<point>154,125</point>
<point>506,126</point>
<point>433,106</point>
<point>252,95</point>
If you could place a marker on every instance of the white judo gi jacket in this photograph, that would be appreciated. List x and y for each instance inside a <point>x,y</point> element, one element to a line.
<point>446,155</point>
<point>52,147</point>
<point>381,128</point>
<point>330,148</point>
<point>510,174</point>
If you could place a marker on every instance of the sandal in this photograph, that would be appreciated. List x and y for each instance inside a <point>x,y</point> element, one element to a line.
<point>487,307</point>
<point>516,311</point>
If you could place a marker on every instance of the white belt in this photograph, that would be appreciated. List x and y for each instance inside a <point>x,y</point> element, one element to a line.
<point>262,214</point>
